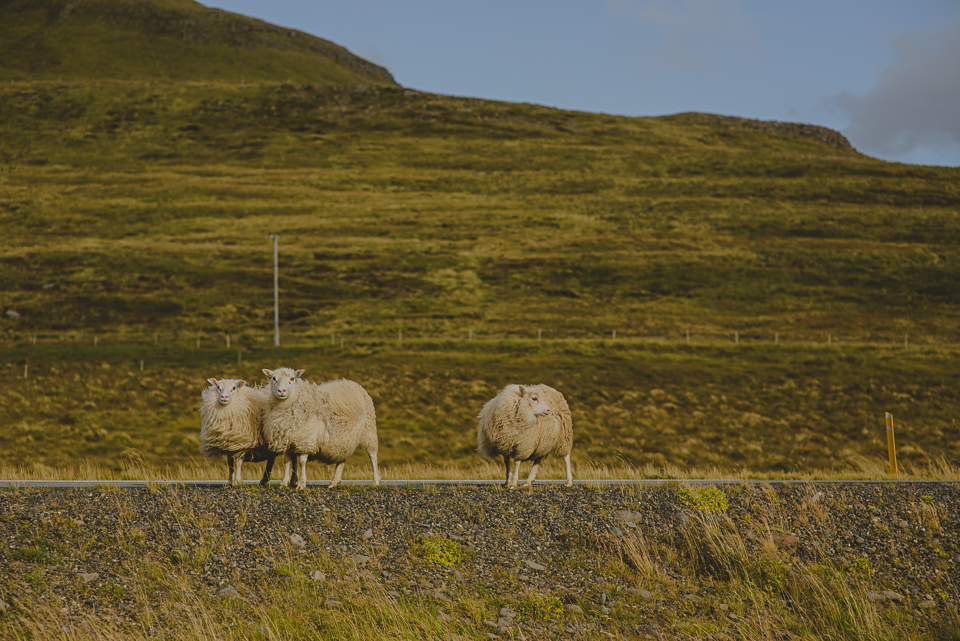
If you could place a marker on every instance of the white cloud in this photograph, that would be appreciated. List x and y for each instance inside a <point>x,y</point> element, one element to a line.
<point>915,103</point>
<point>689,35</point>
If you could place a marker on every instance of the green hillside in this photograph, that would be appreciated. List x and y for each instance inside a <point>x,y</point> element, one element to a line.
<point>134,217</point>
<point>165,39</point>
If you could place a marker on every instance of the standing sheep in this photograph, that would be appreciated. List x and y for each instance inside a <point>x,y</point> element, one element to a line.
<point>231,425</point>
<point>326,423</point>
<point>526,423</point>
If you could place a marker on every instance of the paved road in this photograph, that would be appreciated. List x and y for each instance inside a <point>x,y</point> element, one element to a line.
<point>421,482</point>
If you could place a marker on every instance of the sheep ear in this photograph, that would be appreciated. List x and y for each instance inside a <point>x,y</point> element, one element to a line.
<point>523,392</point>
<point>299,372</point>
<point>241,384</point>
<point>268,372</point>
<point>212,381</point>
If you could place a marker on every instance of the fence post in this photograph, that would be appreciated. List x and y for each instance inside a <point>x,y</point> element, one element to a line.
<point>776,338</point>
<point>228,341</point>
<point>141,364</point>
<point>891,445</point>
<point>538,335</point>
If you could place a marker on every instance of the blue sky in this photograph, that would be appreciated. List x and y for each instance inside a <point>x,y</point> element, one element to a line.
<point>886,73</point>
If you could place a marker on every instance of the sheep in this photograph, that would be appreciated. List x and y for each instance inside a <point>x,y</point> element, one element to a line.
<point>526,422</point>
<point>325,422</point>
<point>231,425</point>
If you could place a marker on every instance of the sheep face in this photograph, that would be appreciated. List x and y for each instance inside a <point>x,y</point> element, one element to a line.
<point>283,382</point>
<point>226,387</point>
<point>538,406</point>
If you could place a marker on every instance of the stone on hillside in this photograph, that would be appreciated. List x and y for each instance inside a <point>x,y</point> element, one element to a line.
<point>893,596</point>
<point>360,559</point>
<point>332,603</point>
<point>368,534</point>
<point>875,597</point>
<point>533,565</point>
<point>628,516</point>
<point>88,577</point>
<point>926,604</point>
<point>317,575</point>
<point>786,543</point>
<point>573,608</point>
<point>229,591</point>
<point>297,540</point>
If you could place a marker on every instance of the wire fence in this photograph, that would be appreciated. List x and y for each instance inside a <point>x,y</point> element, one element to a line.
<point>407,337</point>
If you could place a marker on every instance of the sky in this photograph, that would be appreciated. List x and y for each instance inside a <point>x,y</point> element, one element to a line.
<point>886,73</point>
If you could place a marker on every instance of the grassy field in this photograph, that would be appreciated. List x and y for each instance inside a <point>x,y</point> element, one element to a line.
<point>754,408</point>
<point>819,287</point>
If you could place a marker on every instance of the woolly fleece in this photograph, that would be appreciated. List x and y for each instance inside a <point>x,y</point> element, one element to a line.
<point>508,427</point>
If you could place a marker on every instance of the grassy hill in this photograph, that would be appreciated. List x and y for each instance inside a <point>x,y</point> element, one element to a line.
<point>136,213</point>
<point>165,39</point>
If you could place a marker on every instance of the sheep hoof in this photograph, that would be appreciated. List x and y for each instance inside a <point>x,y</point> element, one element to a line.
<point>568,485</point>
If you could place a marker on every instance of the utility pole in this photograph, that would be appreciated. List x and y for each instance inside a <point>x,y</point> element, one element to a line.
<point>276,291</point>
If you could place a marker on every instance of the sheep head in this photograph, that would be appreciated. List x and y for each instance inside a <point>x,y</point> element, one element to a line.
<point>283,381</point>
<point>226,387</point>
<point>538,406</point>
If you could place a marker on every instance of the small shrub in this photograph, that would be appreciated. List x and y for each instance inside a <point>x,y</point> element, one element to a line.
<point>927,499</point>
<point>439,550</point>
<point>30,555</point>
<point>707,499</point>
<point>543,607</point>
<point>861,567</point>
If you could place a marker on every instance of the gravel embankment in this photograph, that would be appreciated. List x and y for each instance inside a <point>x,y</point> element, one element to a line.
<point>902,538</point>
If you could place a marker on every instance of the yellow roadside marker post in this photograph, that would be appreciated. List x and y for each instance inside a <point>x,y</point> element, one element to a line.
<point>891,446</point>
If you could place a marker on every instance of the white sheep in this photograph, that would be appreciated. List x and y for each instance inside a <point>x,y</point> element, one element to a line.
<point>526,423</point>
<point>231,425</point>
<point>326,423</point>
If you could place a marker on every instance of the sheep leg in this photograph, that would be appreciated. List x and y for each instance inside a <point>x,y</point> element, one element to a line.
<point>287,465</point>
<point>533,473</point>
<point>237,474</point>
<point>293,474</point>
<point>266,472</point>
<point>516,474</point>
<point>302,482</point>
<point>566,459</point>
<point>506,463</point>
<point>337,474</point>
<point>229,469</point>
<point>376,470</point>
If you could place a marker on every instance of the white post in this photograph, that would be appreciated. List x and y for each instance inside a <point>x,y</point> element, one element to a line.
<point>141,364</point>
<point>332,342</point>
<point>276,290</point>
<point>238,358</point>
<point>614,335</point>
<point>94,340</point>
<point>24,370</point>
<point>155,339</point>
<point>471,334</point>
<point>904,341</point>
<point>776,338</point>
<point>228,341</point>
<point>538,335</point>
